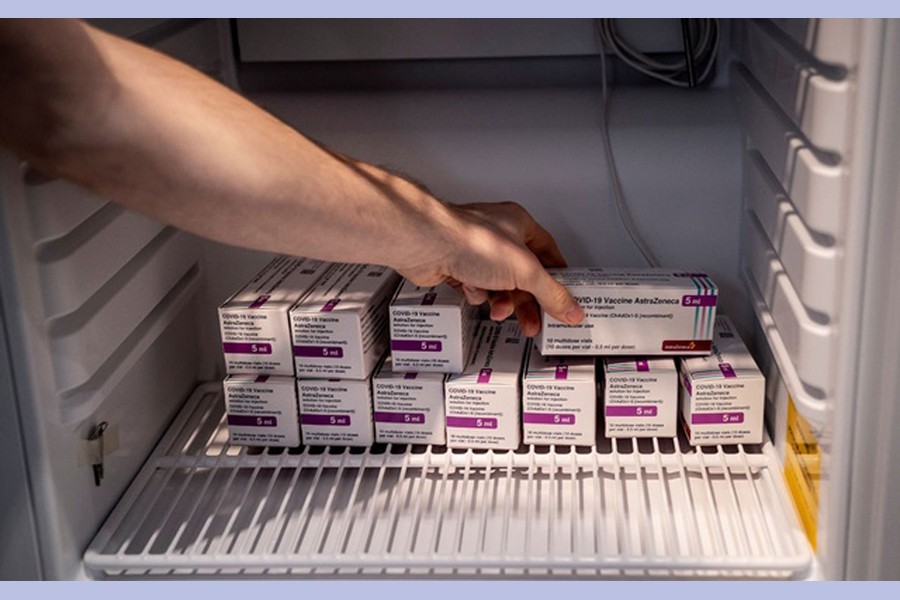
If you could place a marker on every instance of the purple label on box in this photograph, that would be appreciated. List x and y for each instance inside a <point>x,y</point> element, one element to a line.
<point>398,417</point>
<point>562,372</point>
<point>334,420</point>
<point>717,418</point>
<point>642,366</point>
<point>727,371</point>
<point>329,306</point>
<point>698,300</point>
<point>410,375</point>
<point>548,418</point>
<point>472,422</point>
<point>252,421</point>
<point>246,348</point>
<point>416,346</point>
<point>631,411</point>
<point>429,298</point>
<point>259,301</point>
<point>484,375</point>
<point>319,351</point>
<point>261,379</point>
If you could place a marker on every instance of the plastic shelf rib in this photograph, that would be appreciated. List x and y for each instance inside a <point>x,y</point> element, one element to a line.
<point>624,508</point>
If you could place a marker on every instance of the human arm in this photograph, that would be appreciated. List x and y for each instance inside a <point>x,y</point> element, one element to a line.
<point>152,134</point>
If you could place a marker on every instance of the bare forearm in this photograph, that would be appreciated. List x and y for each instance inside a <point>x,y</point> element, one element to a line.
<point>155,135</point>
<point>174,144</point>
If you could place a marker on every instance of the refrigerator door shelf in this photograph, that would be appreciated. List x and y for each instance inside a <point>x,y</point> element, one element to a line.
<point>832,41</point>
<point>814,409</point>
<point>815,182</point>
<point>812,262</point>
<point>817,102</point>
<point>810,342</point>
<point>56,207</point>
<point>649,508</point>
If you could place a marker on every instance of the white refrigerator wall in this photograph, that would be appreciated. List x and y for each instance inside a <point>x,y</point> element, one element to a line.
<point>99,310</point>
<point>76,361</point>
<point>873,550</point>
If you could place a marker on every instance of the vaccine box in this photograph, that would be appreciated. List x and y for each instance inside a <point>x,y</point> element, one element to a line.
<point>254,324</point>
<point>634,312</point>
<point>559,400</point>
<point>261,410</point>
<point>336,412</point>
<point>409,407</point>
<point>340,328</point>
<point>482,401</point>
<point>431,328</point>
<point>723,394</point>
<point>640,397</point>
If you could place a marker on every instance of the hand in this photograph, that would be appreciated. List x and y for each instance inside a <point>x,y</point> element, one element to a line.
<point>497,252</point>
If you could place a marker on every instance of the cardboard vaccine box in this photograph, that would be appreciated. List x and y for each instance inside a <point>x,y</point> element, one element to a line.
<point>634,312</point>
<point>431,328</point>
<point>336,412</point>
<point>723,394</point>
<point>409,407</point>
<point>559,400</point>
<point>640,397</point>
<point>340,328</point>
<point>253,323</point>
<point>482,401</point>
<point>261,410</point>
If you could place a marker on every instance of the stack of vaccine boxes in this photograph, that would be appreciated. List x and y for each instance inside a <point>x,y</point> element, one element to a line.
<point>559,400</point>
<point>635,320</point>
<point>301,341</point>
<point>306,346</point>
<point>483,405</point>
<point>340,332</point>
<point>260,389</point>
<point>641,322</point>
<point>432,331</point>
<point>723,394</point>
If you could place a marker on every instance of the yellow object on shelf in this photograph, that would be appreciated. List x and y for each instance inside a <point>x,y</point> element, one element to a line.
<point>801,470</point>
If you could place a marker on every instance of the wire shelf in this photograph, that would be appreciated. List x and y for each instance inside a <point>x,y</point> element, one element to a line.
<point>653,508</point>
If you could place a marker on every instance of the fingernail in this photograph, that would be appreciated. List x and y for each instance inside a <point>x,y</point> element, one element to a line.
<point>575,316</point>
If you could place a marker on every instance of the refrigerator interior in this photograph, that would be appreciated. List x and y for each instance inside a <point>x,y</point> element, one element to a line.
<point>765,179</point>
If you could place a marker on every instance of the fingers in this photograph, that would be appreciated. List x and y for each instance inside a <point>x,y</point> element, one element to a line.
<point>529,315</point>
<point>502,248</point>
<point>504,304</point>
<point>475,296</point>
<point>550,294</point>
<point>544,247</point>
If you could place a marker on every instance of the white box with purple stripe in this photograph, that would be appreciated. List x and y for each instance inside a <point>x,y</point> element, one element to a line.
<point>482,401</point>
<point>336,412</point>
<point>723,394</point>
<point>261,410</point>
<point>340,328</point>
<point>409,407</point>
<point>640,397</point>
<point>559,400</point>
<point>253,323</point>
<point>431,328</point>
<point>634,312</point>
